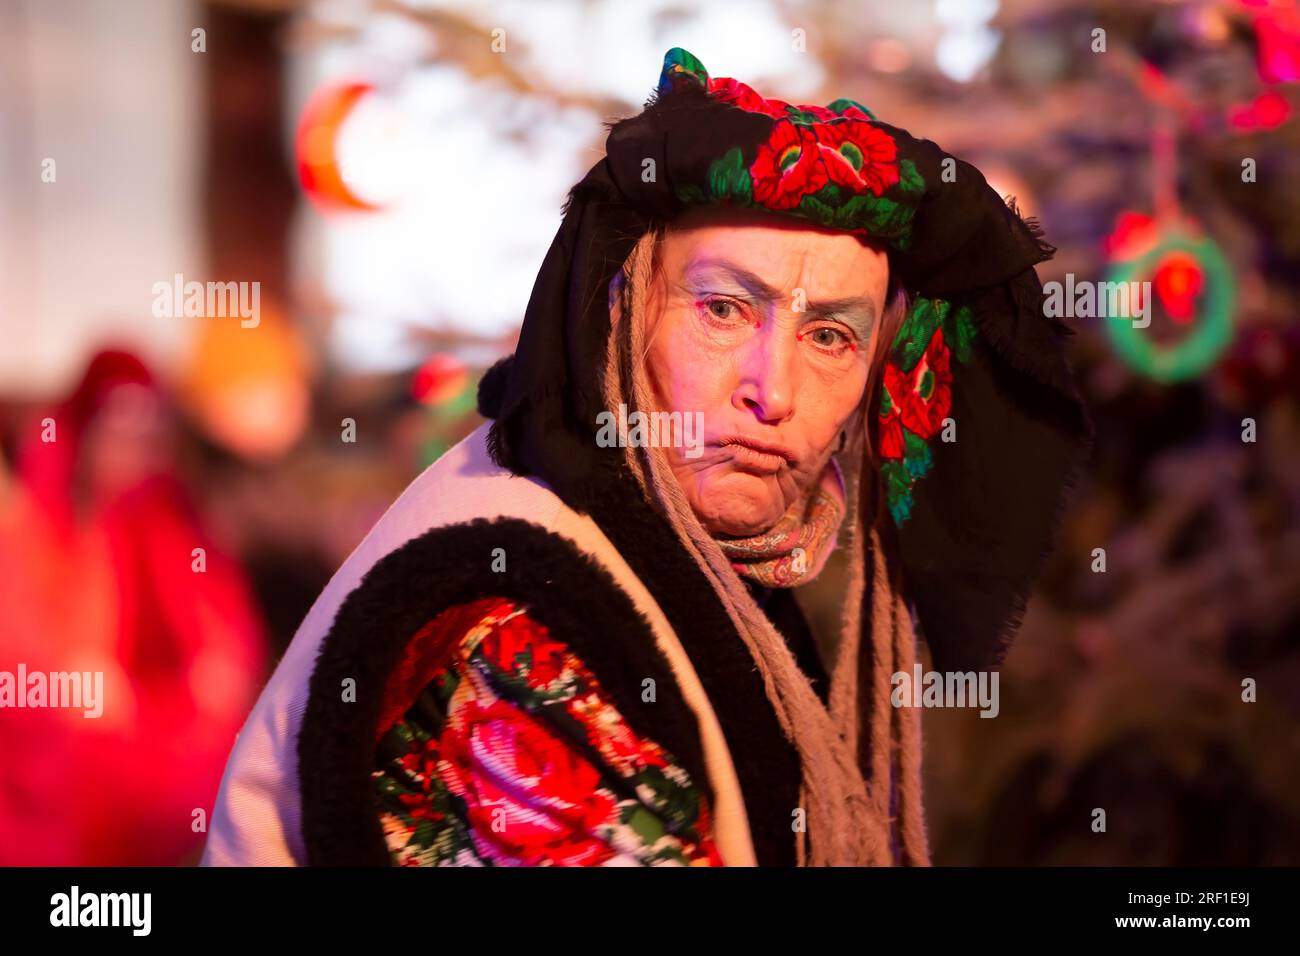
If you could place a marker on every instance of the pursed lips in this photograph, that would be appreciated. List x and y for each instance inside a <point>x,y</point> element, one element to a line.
<point>758,456</point>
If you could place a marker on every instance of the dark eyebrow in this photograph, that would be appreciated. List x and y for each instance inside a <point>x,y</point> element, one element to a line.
<point>756,286</point>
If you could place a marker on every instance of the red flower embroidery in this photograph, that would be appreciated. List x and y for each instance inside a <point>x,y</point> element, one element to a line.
<point>889,434</point>
<point>858,155</point>
<point>531,798</point>
<point>611,736</point>
<point>922,397</point>
<point>419,807</point>
<point>787,166</point>
<point>744,96</point>
<point>516,638</point>
<point>500,778</point>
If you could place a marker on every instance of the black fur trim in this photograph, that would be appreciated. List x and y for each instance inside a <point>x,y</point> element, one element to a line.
<point>491,387</point>
<point>565,589</point>
<point>767,763</point>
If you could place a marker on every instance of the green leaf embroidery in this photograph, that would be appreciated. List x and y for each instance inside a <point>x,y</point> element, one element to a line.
<point>909,180</point>
<point>882,217</point>
<point>843,103</point>
<point>678,805</point>
<point>959,332</point>
<point>898,489</point>
<point>796,115</point>
<point>915,333</point>
<point>830,195</point>
<point>729,178</point>
<point>815,209</point>
<point>643,823</point>
<point>917,454</point>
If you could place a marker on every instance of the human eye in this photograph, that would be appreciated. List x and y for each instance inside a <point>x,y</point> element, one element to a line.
<point>831,339</point>
<point>722,310</point>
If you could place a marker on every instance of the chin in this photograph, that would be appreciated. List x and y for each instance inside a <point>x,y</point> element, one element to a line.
<point>739,505</point>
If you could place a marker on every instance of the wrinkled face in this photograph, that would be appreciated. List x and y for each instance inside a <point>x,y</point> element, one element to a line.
<point>766,327</point>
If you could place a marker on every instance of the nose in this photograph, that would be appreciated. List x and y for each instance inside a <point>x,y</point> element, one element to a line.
<point>768,374</point>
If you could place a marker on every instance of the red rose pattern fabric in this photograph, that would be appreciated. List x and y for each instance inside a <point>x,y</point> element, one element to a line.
<point>858,156</point>
<point>916,395</point>
<point>788,167</point>
<point>831,164</point>
<point>920,399</point>
<point>498,747</point>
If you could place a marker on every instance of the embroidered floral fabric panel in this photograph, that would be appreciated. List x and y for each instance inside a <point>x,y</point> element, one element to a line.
<point>916,395</point>
<point>513,755</point>
<point>834,165</point>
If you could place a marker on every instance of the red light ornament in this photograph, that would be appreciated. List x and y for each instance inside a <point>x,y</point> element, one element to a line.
<point>352,148</point>
<point>1178,281</point>
<point>439,380</point>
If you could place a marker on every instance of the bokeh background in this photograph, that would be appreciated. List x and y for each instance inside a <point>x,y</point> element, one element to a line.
<point>391,174</point>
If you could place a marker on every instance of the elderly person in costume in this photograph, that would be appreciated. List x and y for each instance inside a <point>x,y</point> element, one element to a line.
<point>560,649</point>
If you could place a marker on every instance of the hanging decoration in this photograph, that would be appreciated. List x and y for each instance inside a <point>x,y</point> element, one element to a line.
<point>1187,324</point>
<point>1190,317</point>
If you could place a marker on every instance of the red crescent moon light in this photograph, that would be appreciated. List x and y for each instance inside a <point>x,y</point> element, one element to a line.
<point>316,141</point>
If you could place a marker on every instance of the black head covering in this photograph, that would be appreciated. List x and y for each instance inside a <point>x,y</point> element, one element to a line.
<point>974,516</point>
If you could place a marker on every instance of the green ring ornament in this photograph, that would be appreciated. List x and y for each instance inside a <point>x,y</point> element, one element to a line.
<point>1203,346</point>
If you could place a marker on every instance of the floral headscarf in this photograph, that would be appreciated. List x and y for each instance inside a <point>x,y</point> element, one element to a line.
<point>978,428</point>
